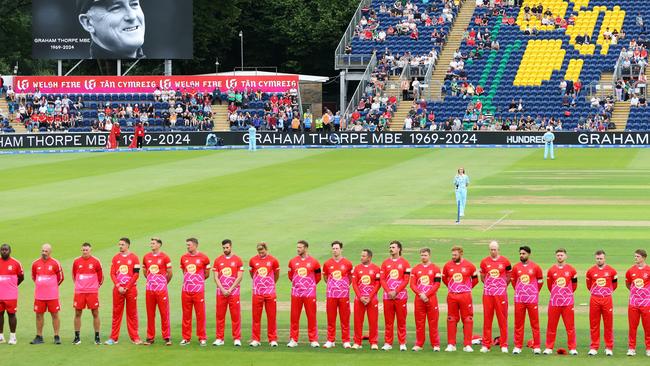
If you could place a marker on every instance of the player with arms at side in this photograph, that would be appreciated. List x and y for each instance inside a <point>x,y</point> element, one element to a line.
<point>602,280</point>
<point>304,274</point>
<point>47,275</point>
<point>395,276</point>
<point>637,279</point>
<point>460,277</point>
<point>88,277</point>
<point>562,282</point>
<point>265,272</point>
<point>11,276</point>
<point>125,271</point>
<point>196,269</point>
<point>425,282</point>
<point>461,182</point>
<point>228,273</point>
<point>158,271</point>
<point>366,284</point>
<point>528,280</point>
<point>495,272</point>
<point>337,272</point>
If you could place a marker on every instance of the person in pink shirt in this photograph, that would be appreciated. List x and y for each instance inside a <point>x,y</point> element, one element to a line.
<point>88,277</point>
<point>11,275</point>
<point>47,275</point>
<point>265,272</point>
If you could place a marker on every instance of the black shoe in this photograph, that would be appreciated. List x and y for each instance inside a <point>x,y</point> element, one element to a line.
<point>76,341</point>
<point>37,340</point>
<point>98,341</point>
<point>57,340</point>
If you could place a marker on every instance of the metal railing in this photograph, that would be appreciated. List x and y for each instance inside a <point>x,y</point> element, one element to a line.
<point>358,94</point>
<point>343,61</point>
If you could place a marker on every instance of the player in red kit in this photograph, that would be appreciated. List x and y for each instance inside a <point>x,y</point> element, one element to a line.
<point>495,272</point>
<point>527,280</point>
<point>11,276</point>
<point>460,277</point>
<point>305,274</point>
<point>562,281</point>
<point>637,279</point>
<point>602,280</point>
<point>395,275</point>
<point>158,272</point>
<point>196,269</point>
<point>125,270</point>
<point>47,275</point>
<point>88,277</point>
<point>366,284</point>
<point>265,272</point>
<point>228,272</point>
<point>425,282</point>
<point>337,272</point>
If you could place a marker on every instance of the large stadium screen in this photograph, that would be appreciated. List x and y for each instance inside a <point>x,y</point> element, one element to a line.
<point>112,29</point>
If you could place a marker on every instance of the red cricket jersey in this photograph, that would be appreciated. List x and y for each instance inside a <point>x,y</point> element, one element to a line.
<point>639,281</point>
<point>496,273</point>
<point>123,270</point>
<point>337,275</point>
<point>395,275</point>
<point>264,271</point>
<point>562,282</point>
<point>305,274</point>
<point>527,280</point>
<point>47,276</point>
<point>426,279</point>
<point>194,267</point>
<point>227,268</point>
<point>155,269</point>
<point>601,282</point>
<point>366,280</point>
<point>459,277</point>
<point>10,269</point>
<point>87,275</point>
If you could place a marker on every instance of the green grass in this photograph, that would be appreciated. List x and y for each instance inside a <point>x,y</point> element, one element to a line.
<point>356,196</point>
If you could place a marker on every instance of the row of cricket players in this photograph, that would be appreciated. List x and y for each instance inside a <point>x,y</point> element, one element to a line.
<point>394,277</point>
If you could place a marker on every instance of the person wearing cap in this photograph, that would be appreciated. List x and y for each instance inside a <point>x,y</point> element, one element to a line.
<point>116,27</point>
<point>549,137</point>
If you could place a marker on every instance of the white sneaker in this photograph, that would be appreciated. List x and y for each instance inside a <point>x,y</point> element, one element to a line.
<point>218,342</point>
<point>416,349</point>
<point>484,349</point>
<point>631,352</point>
<point>647,352</point>
<point>608,352</point>
<point>436,349</point>
<point>386,347</point>
<point>347,345</point>
<point>573,352</point>
<point>184,342</point>
<point>402,347</point>
<point>12,341</point>
<point>450,348</point>
<point>373,347</point>
<point>314,344</point>
<point>203,343</point>
<point>273,344</point>
<point>237,343</point>
<point>255,344</point>
<point>2,339</point>
<point>548,351</point>
<point>537,351</point>
<point>468,349</point>
<point>292,344</point>
<point>592,352</point>
<point>504,349</point>
<point>516,351</point>
<point>329,344</point>
<point>356,346</point>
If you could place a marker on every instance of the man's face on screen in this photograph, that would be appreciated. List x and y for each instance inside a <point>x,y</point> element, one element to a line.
<point>117,25</point>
